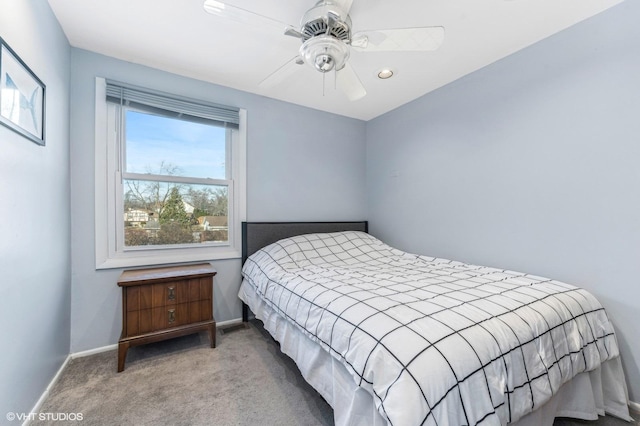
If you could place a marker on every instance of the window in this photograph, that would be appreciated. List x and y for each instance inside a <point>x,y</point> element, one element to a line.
<point>170,175</point>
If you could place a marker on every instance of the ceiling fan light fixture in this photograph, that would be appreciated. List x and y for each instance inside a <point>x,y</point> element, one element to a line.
<point>325,53</point>
<point>385,73</point>
<point>324,63</point>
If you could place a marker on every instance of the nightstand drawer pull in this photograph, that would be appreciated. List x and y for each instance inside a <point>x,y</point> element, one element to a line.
<point>172,293</point>
<point>172,316</point>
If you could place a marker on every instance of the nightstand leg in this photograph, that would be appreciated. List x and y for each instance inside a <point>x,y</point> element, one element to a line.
<point>212,335</point>
<point>123,347</point>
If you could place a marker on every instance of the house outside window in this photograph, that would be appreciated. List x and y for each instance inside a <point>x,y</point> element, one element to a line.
<point>173,187</point>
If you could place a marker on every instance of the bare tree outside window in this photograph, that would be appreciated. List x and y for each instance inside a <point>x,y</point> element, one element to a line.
<point>159,213</point>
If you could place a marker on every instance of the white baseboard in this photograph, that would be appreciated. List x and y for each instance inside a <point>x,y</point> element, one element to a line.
<point>93,351</point>
<point>229,323</point>
<point>45,394</point>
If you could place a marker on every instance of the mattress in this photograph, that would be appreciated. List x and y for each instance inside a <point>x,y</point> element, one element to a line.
<point>420,340</point>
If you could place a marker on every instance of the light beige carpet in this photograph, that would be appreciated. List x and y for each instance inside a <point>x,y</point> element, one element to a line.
<point>246,380</point>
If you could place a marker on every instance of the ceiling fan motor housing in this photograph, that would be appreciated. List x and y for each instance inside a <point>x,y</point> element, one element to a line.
<point>326,31</point>
<point>315,22</point>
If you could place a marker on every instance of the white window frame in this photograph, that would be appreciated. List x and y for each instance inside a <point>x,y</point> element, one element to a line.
<point>110,250</point>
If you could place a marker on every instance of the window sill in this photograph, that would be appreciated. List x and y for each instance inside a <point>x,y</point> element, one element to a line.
<point>164,257</point>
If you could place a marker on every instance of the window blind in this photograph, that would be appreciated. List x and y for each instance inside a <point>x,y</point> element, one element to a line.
<point>172,105</point>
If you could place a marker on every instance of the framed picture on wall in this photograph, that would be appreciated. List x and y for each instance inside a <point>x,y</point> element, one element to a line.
<point>22,96</point>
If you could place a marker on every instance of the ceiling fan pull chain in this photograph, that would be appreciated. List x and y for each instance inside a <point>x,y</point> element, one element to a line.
<point>323,80</point>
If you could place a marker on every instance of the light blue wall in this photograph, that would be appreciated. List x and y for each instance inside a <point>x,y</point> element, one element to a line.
<point>296,171</point>
<point>34,218</point>
<point>531,164</point>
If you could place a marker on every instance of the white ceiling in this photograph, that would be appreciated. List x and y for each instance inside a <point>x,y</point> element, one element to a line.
<point>180,37</point>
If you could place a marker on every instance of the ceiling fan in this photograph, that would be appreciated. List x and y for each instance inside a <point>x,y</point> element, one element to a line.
<point>327,39</point>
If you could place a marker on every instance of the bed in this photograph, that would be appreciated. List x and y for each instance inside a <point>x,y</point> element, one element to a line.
<point>388,337</point>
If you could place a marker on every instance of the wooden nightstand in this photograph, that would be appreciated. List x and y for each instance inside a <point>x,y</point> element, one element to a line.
<point>162,303</point>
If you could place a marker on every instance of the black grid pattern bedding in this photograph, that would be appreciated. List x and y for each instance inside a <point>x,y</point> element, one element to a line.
<point>436,342</point>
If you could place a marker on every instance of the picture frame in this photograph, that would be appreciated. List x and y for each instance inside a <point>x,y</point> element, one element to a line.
<point>22,97</point>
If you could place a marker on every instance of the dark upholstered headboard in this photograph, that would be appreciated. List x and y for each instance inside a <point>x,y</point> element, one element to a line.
<point>256,235</point>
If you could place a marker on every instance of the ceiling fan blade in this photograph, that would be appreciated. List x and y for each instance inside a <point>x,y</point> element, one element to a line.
<point>238,14</point>
<point>420,39</point>
<point>282,73</point>
<point>344,4</point>
<point>347,80</point>
<point>290,31</point>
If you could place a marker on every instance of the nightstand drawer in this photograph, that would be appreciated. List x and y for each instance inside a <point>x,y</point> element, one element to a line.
<point>167,293</point>
<point>181,314</point>
<point>176,292</point>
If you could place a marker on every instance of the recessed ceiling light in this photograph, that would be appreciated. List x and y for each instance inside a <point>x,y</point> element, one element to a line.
<point>385,74</point>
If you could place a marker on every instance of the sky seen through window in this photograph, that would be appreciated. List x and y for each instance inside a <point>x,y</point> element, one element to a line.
<point>195,149</point>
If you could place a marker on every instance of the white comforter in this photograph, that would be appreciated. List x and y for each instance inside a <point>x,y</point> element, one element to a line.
<point>434,341</point>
